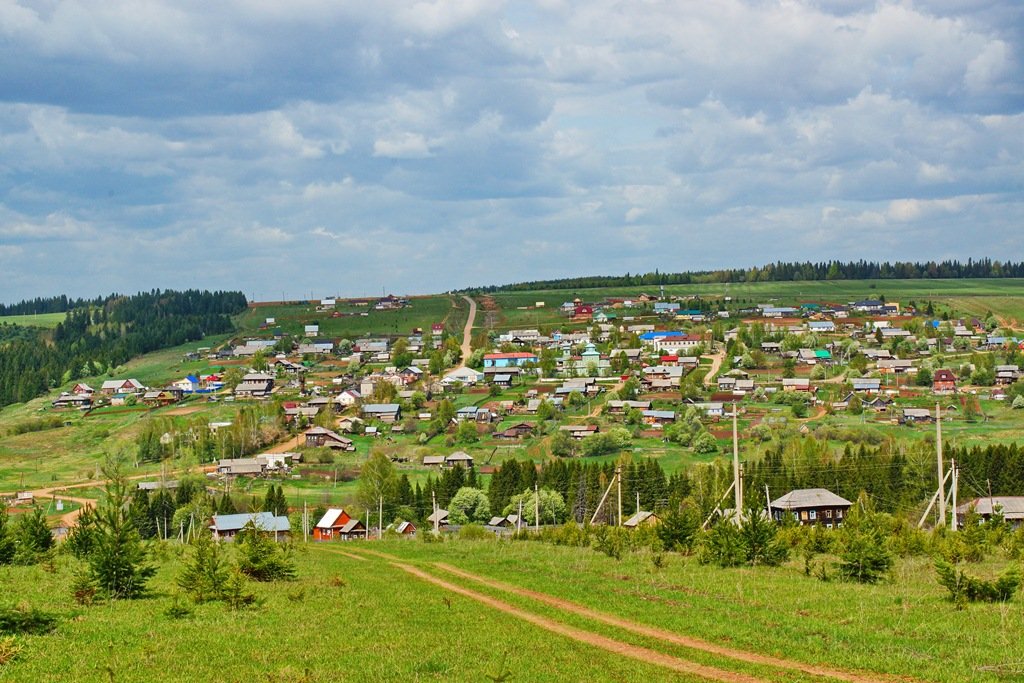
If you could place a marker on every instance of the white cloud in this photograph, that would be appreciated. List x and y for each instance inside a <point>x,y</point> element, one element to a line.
<point>569,133</point>
<point>402,146</point>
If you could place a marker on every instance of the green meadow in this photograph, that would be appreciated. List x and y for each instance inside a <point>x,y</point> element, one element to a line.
<point>368,619</point>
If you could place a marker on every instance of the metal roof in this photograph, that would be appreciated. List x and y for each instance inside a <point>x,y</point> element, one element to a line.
<point>264,521</point>
<point>1012,506</point>
<point>809,498</point>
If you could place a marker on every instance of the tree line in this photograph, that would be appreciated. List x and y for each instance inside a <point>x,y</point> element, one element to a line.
<point>98,337</point>
<point>786,272</point>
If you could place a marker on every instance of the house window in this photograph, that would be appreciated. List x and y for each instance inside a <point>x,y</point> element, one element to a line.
<point>828,514</point>
<point>814,514</point>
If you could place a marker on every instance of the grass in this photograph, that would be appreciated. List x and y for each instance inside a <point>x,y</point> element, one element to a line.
<point>44,320</point>
<point>903,627</point>
<point>1004,297</point>
<point>422,312</point>
<point>374,624</point>
<point>369,620</point>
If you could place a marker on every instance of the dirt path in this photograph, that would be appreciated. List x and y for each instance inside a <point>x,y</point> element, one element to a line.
<point>638,653</point>
<point>716,364</point>
<point>467,332</point>
<point>68,519</point>
<point>335,551</point>
<point>661,634</point>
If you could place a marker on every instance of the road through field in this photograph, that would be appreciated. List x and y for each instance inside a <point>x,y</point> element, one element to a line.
<point>642,654</point>
<point>661,634</point>
<point>647,631</point>
<point>467,332</point>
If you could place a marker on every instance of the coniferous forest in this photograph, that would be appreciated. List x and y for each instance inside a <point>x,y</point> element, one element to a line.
<point>100,334</point>
<point>787,272</point>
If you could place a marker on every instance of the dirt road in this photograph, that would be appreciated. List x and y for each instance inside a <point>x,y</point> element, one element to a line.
<point>716,363</point>
<point>467,332</point>
<point>586,637</point>
<point>660,634</point>
<point>68,519</point>
<point>644,630</point>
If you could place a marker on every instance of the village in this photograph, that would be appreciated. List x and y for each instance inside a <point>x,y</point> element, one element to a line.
<point>645,375</point>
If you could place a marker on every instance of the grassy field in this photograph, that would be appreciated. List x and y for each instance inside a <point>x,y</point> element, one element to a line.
<point>46,320</point>
<point>422,312</point>
<point>369,618</point>
<point>1005,298</point>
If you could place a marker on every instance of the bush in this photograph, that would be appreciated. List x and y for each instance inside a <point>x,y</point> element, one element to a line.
<point>474,532</point>
<point>722,546</point>
<point>864,558</point>
<point>24,620</point>
<point>964,588</point>
<point>205,575</point>
<point>705,443</point>
<point>261,558</point>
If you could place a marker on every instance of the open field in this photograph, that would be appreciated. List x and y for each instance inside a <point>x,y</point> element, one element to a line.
<point>1004,297</point>
<point>422,312</point>
<point>46,320</point>
<point>589,617</point>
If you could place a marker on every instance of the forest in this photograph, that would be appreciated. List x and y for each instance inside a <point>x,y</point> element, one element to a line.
<point>100,336</point>
<point>786,272</point>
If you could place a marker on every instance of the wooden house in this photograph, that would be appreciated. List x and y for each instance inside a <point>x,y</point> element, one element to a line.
<point>336,524</point>
<point>811,506</point>
<point>944,382</point>
<point>319,437</point>
<point>226,527</point>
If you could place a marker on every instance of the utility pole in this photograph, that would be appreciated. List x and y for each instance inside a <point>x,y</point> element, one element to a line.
<point>767,502</point>
<point>536,506</point>
<point>618,479</point>
<point>938,456</point>
<point>380,517</point>
<point>519,519</point>
<point>991,505</point>
<point>956,486</point>
<point>433,503</point>
<point>305,516</point>
<point>738,488</point>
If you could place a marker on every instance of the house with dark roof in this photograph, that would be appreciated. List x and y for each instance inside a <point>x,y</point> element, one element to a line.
<point>320,437</point>
<point>944,382</point>
<point>811,506</point>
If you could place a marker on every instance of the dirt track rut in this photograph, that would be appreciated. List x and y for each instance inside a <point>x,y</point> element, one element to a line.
<point>644,630</point>
<point>661,634</point>
<point>641,654</point>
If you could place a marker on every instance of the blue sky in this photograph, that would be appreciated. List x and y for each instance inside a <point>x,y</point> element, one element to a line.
<point>348,147</point>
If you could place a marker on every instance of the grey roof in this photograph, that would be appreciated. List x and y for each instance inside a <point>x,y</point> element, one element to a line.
<point>350,526</point>
<point>380,408</point>
<point>638,519</point>
<point>264,521</point>
<point>1012,506</point>
<point>809,498</point>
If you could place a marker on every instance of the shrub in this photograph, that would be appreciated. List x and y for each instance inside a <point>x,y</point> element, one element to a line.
<point>261,558</point>
<point>722,546</point>
<point>9,649</point>
<point>25,620</point>
<point>864,558</point>
<point>205,574</point>
<point>474,532</point>
<point>964,588</point>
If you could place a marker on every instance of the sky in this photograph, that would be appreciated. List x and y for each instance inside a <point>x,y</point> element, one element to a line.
<point>310,148</point>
